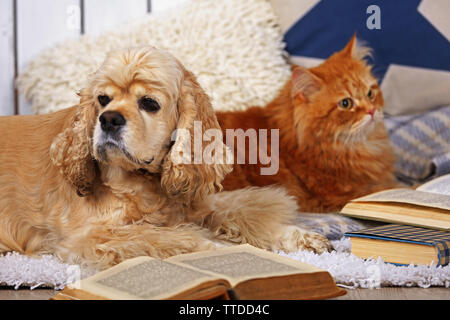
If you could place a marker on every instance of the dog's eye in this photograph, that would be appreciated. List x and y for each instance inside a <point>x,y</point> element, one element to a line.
<point>104,100</point>
<point>148,104</point>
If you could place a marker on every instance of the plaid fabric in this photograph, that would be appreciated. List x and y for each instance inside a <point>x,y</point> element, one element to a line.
<point>403,233</point>
<point>333,226</point>
<point>421,144</point>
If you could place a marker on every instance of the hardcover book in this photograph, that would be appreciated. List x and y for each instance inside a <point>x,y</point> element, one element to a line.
<point>237,272</point>
<point>402,244</point>
<point>427,206</point>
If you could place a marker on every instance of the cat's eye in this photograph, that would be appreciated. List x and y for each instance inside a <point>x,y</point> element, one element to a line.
<point>148,104</point>
<point>104,100</point>
<point>346,103</point>
<point>370,94</point>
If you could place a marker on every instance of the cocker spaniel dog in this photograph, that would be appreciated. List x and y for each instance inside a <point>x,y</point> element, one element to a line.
<point>97,183</point>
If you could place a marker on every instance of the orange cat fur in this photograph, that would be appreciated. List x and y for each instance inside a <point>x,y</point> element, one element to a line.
<point>333,146</point>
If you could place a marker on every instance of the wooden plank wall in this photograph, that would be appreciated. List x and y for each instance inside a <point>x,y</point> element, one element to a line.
<point>40,24</point>
<point>7,60</point>
<point>101,15</point>
<point>29,26</point>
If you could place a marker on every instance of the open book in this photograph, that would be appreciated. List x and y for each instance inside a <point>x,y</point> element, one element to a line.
<point>427,206</point>
<point>242,272</point>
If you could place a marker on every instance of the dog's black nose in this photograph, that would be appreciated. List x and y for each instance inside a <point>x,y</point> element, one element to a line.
<point>111,121</point>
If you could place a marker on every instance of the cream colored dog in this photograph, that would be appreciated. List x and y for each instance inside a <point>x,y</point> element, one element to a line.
<point>97,184</point>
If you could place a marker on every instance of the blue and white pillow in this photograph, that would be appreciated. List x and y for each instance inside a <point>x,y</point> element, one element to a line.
<point>409,38</point>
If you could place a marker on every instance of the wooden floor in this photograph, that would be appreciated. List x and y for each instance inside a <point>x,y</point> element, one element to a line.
<point>356,294</point>
<point>397,294</point>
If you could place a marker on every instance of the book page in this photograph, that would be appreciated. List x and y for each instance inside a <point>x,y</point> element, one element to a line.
<point>439,185</point>
<point>243,262</point>
<point>143,278</point>
<point>410,196</point>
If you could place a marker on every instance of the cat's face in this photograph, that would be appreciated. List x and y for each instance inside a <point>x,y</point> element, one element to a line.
<point>340,100</point>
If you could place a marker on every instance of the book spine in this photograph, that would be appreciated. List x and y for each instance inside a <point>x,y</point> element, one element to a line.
<point>443,251</point>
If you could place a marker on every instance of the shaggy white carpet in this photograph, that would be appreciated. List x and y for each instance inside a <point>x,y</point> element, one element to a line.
<point>347,270</point>
<point>351,271</point>
<point>234,47</point>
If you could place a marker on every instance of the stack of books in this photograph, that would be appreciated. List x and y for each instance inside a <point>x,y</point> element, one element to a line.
<point>417,229</point>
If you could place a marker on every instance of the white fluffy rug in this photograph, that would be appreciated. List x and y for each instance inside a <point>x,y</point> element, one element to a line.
<point>347,270</point>
<point>351,271</point>
<point>18,270</point>
<point>234,47</point>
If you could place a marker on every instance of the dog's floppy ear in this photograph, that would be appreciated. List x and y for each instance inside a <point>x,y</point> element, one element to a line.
<point>71,150</point>
<point>191,176</point>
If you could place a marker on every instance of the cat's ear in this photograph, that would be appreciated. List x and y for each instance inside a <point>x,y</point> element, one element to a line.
<point>304,83</point>
<point>356,50</point>
<point>349,49</point>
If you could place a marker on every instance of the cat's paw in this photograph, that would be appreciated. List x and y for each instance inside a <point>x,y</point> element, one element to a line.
<point>294,238</point>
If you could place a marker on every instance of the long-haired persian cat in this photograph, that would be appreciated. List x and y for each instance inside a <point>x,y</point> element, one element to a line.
<point>333,146</point>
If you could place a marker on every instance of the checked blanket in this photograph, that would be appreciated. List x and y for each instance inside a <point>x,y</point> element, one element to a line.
<point>421,144</point>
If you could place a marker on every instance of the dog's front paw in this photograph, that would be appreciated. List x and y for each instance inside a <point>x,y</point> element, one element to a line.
<point>294,238</point>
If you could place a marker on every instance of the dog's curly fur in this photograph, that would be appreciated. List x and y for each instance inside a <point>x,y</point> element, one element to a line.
<point>66,191</point>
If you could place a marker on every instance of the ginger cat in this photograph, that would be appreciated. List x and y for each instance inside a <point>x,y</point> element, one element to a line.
<point>333,146</point>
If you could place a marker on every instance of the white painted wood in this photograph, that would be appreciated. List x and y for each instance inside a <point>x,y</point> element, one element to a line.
<point>104,15</point>
<point>6,58</point>
<point>41,24</point>
<point>163,5</point>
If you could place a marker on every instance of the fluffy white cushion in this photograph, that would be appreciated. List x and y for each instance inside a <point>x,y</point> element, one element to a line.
<point>234,47</point>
